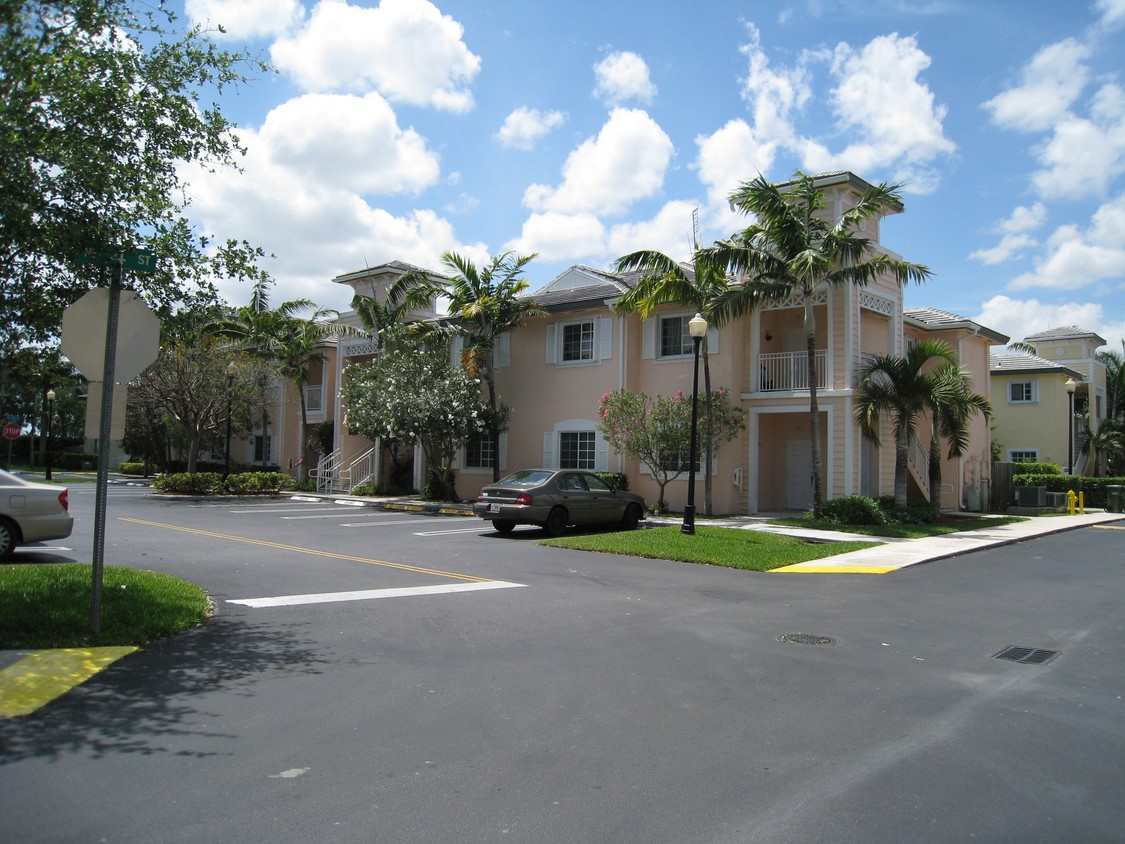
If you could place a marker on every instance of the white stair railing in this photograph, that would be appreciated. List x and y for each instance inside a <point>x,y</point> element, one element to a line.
<point>362,469</point>
<point>326,472</point>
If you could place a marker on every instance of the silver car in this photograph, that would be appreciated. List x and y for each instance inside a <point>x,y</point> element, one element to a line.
<point>31,512</point>
<point>555,498</point>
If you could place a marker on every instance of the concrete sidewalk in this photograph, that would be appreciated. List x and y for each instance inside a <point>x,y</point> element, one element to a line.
<point>896,554</point>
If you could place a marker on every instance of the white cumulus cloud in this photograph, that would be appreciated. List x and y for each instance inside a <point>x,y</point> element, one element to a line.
<point>407,50</point>
<point>625,162</point>
<point>730,156</point>
<point>622,77</point>
<point>1077,257</point>
<point>1049,85</point>
<point>246,19</point>
<point>1020,318</point>
<point>561,237</point>
<point>524,126</point>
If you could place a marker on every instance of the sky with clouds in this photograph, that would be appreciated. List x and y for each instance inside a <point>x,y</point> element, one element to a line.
<point>585,130</point>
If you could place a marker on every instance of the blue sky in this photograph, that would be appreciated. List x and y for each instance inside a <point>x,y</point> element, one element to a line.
<point>585,130</point>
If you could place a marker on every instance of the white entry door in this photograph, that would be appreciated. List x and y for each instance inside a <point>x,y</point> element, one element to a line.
<point>798,474</point>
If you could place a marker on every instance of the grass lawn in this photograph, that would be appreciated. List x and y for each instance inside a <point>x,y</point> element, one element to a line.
<point>48,606</point>
<point>953,524</point>
<point>716,546</point>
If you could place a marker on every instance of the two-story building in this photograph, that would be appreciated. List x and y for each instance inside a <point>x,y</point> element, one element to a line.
<point>554,369</point>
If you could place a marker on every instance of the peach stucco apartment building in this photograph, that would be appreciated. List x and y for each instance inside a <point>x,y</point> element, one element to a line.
<point>554,369</point>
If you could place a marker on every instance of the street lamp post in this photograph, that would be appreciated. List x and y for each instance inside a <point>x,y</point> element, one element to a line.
<point>697,327</point>
<point>50,421</point>
<point>1070,385</point>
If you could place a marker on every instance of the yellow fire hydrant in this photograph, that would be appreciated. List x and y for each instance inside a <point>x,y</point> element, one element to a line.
<point>1071,500</point>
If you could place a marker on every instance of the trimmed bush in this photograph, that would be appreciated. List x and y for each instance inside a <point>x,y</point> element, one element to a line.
<point>199,483</point>
<point>132,469</point>
<point>257,482</point>
<point>853,510</point>
<point>1033,468</point>
<point>615,480</point>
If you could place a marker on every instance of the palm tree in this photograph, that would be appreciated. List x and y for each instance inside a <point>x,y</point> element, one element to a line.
<point>899,387</point>
<point>1114,363</point>
<point>666,281</point>
<point>484,304</point>
<point>1108,440</point>
<point>952,403</point>
<point>796,248</point>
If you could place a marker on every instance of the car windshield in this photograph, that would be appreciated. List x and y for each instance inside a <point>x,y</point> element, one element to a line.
<point>525,477</point>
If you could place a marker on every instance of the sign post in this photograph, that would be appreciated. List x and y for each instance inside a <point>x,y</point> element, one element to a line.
<point>117,260</point>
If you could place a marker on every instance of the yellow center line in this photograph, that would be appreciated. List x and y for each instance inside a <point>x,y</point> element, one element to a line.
<point>313,551</point>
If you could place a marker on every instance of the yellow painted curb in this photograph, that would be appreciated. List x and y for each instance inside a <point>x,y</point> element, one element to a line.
<point>801,568</point>
<point>42,676</point>
<point>1109,527</point>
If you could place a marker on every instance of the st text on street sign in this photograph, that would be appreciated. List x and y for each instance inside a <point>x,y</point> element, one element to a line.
<point>84,334</point>
<point>138,260</point>
<point>12,431</point>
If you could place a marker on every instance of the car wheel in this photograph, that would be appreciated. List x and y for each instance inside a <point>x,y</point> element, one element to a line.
<point>556,522</point>
<point>7,539</point>
<point>632,517</point>
<point>503,526</point>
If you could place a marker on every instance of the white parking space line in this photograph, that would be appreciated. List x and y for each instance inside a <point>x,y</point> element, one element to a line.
<point>373,594</point>
<point>423,520</point>
<point>477,529</point>
<point>264,512</point>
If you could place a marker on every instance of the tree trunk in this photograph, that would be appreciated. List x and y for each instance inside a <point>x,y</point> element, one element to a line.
<point>902,452</point>
<point>935,473</point>
<point>494,430</point>
<point>814,410</point>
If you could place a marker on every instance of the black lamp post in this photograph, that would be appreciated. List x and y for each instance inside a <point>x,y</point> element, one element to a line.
<point>1070,385</point>
<point>50,420</point>
<point>697,327</point>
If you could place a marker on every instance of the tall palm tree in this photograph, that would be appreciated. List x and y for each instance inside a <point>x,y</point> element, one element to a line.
<point>1114,362</point>
<point>1108,440</point>
<point>795,247</point>
<point>666,281</point>
<point>952,404</point>
<point>484,303</point>
<point>899,387</point>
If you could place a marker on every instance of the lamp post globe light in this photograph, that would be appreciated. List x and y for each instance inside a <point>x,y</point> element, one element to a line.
<point>697,328</point>
<point>1070,385</point>
<point>50,420</point>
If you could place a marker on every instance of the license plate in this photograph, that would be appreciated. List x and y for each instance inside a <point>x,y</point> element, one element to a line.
<point>493,508</point>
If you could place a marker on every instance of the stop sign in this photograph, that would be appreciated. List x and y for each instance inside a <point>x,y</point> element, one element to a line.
<point>12,431</point>
<point>84,334</point>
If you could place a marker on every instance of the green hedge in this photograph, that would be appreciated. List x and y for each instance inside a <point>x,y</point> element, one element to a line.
<point>615,480</point>
<point>1031,467</point>
<point>132,469</point>
<point>1094,488</point>
<point>204,483</point>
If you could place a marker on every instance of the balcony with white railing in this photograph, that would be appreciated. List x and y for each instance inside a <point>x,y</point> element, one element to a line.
<point>789,371</point>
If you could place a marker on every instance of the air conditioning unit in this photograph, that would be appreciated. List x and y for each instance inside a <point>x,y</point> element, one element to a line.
<point>1056,499</point>
<point>1031,496</point>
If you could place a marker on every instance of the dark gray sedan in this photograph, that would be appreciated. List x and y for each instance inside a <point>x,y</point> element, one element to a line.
<point>555,498</point>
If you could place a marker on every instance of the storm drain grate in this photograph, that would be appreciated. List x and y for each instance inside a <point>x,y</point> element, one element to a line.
<point>805,639</point>
<point>1027,656</point>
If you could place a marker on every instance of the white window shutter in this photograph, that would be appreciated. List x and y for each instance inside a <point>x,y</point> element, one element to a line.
<point>648,333</point>
<point>503,451</point>
<point>458,347</point>
<point>712,340</point>
<point>552,350</point>
<point>601,454</point>
<point>548,449</point>
<point>607,338</point>
<point>502,351</point>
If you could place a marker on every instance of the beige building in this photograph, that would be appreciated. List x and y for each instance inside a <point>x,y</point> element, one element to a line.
<point>554,369</point>
<point>1034,396</point>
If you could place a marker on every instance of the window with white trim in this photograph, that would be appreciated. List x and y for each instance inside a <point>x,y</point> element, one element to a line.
<point>1025,455</point>
<point>577,341</point>
<point>577,450</point>
<point>1023,392</point>
<point>675,338</point>
<point>263,448</point>
<point>479,454</point>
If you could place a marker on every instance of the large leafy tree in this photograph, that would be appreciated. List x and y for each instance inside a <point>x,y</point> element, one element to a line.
<point>796,247</point>
<point>667,281</point>
<point>417,395</point>
<point>484,303</point>
<point>926,380</point>
<point>101,105</point>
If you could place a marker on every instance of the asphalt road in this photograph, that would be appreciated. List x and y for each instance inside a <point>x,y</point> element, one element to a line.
<point>604,699</point>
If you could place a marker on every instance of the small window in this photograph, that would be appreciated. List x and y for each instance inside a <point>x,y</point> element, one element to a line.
<point>263,449</point>
<point>576,450</point>
<point>675,338</point>
<point>1022,392</point>
<point>578,341</point>
<point>479,454</point>
<point>1027,455</point>
<point>679,462</point>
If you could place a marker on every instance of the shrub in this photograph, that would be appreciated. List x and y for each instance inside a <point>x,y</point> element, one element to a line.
<point>915,512</point>
<point>1033,468</point>
<point>199,483</point>
<point>615,480</point>
<point>132,468</point>
<point>853,510</point>
<point>250,482</point>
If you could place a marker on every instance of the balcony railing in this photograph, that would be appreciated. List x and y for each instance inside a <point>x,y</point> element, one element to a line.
<point>789,371</point>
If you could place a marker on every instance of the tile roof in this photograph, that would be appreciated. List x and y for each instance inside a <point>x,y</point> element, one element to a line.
<point>1065,332</point>
<point>936,319</point>
<point>1019,363</point>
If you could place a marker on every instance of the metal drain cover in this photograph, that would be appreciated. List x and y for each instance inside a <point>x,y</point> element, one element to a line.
<point>805,639</point>
<point>1027,656</point>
